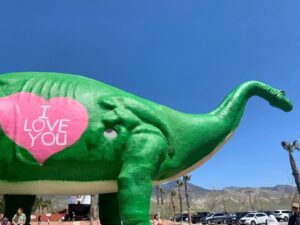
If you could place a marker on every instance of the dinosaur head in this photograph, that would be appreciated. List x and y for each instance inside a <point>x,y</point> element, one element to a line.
<point>280,101</point>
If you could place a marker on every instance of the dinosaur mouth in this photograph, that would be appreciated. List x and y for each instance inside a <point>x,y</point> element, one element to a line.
<point>281,101</point>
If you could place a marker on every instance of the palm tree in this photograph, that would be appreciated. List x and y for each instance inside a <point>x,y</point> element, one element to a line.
<point>259,201</point>
<point>2,205</point>
<point>250,199</point>
<point>91,210</point>
<point>162,191</point>
<point>293,193</point>
<point>211,199</point>
<point>157,198</point>
<point>290,147</point>
<point>38,204</point>
<point>41,204</point>
<point>173,194</point>
<point>224,201</point>
<point>185,179</point>
<point>241,200</point>
<point>47,204</point>
<point>179,185</point>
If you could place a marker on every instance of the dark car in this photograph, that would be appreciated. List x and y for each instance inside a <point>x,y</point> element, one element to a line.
<point>196,218</point>
<point>185,217</point>
<point>218,217</point>
<point>234,218</point>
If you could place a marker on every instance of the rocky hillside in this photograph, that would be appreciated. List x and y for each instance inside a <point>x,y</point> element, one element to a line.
<point>227,199</point>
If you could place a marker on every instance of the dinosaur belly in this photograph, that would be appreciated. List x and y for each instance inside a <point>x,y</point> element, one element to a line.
<point>58,187</point>
<point>199,163</point>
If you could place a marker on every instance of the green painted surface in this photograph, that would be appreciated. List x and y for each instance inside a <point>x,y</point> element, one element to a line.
<point>177,140</point>
<point>153,142</point>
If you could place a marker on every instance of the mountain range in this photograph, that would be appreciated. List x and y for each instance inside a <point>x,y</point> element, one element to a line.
<point>201,199</point>
<point>229,199</point>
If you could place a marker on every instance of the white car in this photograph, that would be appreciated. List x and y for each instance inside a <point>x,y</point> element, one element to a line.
<point>254,218</point>
<point>282,214</point>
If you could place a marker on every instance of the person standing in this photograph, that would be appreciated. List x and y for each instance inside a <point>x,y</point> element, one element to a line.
<point>39,219</point>
<point>156,220</point>
<point>295,217</point>
<point>19,218</point>
<point>272,220</point>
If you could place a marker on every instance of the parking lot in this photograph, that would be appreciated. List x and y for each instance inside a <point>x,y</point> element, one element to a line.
<point>281,223</point>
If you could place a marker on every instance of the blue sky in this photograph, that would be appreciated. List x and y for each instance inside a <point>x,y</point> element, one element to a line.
<point>183,54</point>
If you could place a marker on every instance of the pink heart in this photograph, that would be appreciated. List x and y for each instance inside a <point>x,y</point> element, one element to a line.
<point>43,127</point>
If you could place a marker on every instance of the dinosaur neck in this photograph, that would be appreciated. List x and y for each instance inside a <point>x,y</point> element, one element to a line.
<point>232,107</point>
<point>198,137</point>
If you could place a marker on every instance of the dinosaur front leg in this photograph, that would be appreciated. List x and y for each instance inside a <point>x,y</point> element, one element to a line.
<point>109,209</point>
<point>142,159</point>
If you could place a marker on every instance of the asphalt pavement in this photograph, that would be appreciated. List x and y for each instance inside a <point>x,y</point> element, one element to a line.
<point>281,223</point>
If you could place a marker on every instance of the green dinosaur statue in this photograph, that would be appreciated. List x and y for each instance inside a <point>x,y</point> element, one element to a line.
<point>64,134</point>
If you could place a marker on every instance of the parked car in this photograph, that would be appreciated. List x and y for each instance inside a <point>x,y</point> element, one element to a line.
<point>196,218</point>
<point>254,218</point>
<point>230,218</point>
<point>218,217</point>
<point>185,217</point>
<point>234,218</point>
<point>282,214</point>
<point>203,219</point>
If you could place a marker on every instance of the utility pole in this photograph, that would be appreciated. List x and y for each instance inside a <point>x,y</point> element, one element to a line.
<point>250,198</point>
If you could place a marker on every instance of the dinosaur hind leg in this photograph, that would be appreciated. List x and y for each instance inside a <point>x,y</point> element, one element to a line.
<point>109,209</point>
<point>13,202</point>
<point>141,160</point>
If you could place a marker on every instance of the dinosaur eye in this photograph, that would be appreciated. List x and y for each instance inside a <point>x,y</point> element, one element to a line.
<point>110,133</point>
